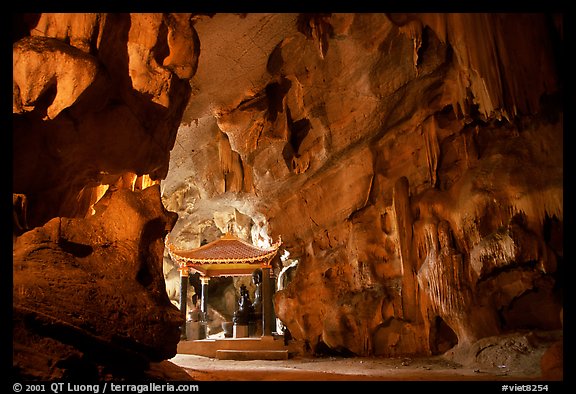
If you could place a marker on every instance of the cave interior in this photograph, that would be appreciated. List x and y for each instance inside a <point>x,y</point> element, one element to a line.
<point>411,163</point>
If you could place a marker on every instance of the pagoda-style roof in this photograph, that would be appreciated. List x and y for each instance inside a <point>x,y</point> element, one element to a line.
<point>226,256</point>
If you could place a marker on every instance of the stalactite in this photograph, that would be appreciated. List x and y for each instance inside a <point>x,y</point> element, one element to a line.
<point>401,203</point>
<point>493,251</point>
<point>442,279</point>
<point>490,50</point>
<point>19,207</point>
<point>432,148</point>
<point>413,29</point>
<point>231,166</point>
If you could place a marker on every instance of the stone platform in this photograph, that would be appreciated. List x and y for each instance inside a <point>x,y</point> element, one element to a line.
<point>253,348</point>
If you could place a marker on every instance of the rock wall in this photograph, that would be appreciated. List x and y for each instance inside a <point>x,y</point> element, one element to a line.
<point>97,97</point>
<point>97,103</point>
<point>411,163</point>
<point>89,295</point>
<point>444,206</point>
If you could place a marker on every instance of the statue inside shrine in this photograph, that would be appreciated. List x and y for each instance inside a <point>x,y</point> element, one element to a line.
<point>257,280</point>
<point>245,311</point>
<point>249,314</point>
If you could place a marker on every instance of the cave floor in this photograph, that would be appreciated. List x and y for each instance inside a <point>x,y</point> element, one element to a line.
<point>300,368</point>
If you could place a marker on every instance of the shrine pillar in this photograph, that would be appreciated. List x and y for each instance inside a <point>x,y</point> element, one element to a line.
<point>204,300</point>
<point>183,298</point>
<point>272,293</point>
<point>267,306</point>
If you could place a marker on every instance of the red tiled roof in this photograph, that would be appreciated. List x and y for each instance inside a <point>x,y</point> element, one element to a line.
<point>227,249</point>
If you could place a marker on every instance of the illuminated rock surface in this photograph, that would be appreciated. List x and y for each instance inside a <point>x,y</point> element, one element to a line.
<point>411,163</point>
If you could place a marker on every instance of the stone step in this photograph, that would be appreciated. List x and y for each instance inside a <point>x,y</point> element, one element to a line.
<point>243,355</point>
<point>209,347</point>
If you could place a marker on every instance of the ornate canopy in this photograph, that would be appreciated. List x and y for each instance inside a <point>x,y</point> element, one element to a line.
<point>226,256</point>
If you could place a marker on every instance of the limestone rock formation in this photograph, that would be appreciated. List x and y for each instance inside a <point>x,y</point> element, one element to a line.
<point>97,102</point>
<point>411,163</point>
<point>89,294</point>
<point>87,87</point>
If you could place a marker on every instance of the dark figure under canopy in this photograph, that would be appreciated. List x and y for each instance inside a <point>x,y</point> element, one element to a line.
<point>245,312</point>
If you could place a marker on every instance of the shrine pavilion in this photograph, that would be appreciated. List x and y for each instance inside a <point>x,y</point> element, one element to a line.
<point>226,256</point>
